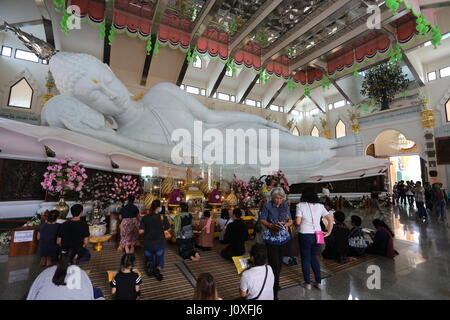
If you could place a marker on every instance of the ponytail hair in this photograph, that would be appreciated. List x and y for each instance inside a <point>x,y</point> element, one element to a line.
<point>127,261</point>
<point>381,223</point>
<point>65,260</point>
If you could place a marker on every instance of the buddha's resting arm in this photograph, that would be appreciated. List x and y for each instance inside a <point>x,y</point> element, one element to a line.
<point>167,95</point>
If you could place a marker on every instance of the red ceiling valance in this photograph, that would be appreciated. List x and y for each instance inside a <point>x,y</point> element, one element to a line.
<point>279,67</point>
<point>249,55</point>
<point>94,9</point>
<point>308,75</point>
<point>214,42</point>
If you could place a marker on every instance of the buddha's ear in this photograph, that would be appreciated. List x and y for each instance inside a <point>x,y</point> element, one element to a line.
<point>71,124</point>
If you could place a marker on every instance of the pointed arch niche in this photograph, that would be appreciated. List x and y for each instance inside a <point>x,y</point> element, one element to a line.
<point>340,129</point>
<point>315,132</point>
<point>296,131</point>
<point>21,94</point>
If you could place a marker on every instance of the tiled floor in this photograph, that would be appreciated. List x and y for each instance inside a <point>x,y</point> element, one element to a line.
<point>421,271</point>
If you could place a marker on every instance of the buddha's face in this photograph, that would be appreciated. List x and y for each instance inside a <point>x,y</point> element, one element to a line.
<point>90,81</point>
<point>102,91</point>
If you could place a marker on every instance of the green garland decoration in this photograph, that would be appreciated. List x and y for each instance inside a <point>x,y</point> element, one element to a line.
<point>326,83</point>
<point>291,84</point>
<point>156,48</point>
<point>111,36</point>
<point>59,4</point>
<point>395,54</point>
<point>307,90</point>
<point>64,22</point>
<point>231,66</point>
<point>103,29</point>
<point>149,45</point>
<point>355,71</point>
<point>263,76</point>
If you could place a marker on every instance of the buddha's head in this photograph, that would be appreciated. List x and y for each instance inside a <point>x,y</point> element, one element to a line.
<point>86,78</point>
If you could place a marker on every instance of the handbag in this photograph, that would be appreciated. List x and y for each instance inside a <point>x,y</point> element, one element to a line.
<point>167,233</point>
<point>320,239</point>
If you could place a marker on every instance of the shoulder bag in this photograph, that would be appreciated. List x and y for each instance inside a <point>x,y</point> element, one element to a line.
<point>319,234</point>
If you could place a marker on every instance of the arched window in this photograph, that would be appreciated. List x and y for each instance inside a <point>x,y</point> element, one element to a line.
<point>20,94</point>
<point>315,132</point>
<point>340,129</point>
<point>295,131</point>
<point>447,110</point>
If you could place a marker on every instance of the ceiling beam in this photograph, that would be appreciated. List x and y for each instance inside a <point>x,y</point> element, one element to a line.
<point>277,93</point>
<point>242,37</point>
<point>439,4</point>
<point>317,105</point>
<point>249,89</point>
<point>160,8</point>
<point>295,104</point>
<point>303,27</point>
<point>207,13</point>
<point>343,37</point>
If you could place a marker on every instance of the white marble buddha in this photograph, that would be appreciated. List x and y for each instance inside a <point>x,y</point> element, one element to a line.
<point>91,91</point>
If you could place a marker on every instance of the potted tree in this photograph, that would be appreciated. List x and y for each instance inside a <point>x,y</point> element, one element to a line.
<point>383,82</point>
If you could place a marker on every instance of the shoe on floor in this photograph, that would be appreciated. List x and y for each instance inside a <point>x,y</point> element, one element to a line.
<point>158,275</point>
<point>317,285</point>
<point>150,272</point>
<point>308,286</point>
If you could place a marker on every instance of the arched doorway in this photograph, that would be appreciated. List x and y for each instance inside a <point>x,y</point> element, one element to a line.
<point>403,154</point>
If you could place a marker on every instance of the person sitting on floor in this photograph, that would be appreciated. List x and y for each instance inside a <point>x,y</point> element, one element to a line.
<point>235,235</point>
<point>64,281</point>
<point>336,245</point>
<point>257,282</point>
<point>222,223</point>
<point>205,240</point>
<point>206,288</point>
<point>356,242</point>
<point>74,235</point>
<point>126,284</point>
<point>383,240</point>
<point>47,234</point>
<point>184,235</point>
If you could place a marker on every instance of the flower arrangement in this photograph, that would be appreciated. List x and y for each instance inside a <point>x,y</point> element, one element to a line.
<point>123,187</point>
<point>240,188</point>
<point>98,190</point>
<point>64,175</point>
<point>255,187</point>
<point>277,180</point>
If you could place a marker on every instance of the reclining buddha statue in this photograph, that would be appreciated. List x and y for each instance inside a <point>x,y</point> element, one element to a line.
<point>90,93</point>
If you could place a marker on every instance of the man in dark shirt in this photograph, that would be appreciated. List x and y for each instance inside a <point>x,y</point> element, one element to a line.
<point>153,226</point>
<point>235,235</point>
<point>74,235</point>
<point>129,210</point>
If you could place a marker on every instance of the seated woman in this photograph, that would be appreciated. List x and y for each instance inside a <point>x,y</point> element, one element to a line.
<point>257,282</point>
<point>206,288</point>
<point>222,223</point>
<point>383,240</point>
<point>205,240</point>
<point>48,232</point>
<point>64,281</point>
<point>184,235</point>
<point>356,242</point>
<point>235,235</point>
<point>336,245</point>
<point>126,284</point>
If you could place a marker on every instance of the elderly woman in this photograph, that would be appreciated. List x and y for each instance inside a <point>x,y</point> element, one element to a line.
<point>276,219</point>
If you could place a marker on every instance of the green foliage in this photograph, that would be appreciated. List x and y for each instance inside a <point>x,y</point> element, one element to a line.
<point>291,85</point>
<point>393,5</point>
<point>263,76</point>
<point>232,28</point>
<point>59,4</point>
<point>326,83</point>
<point>231,66</point>
<point>111,37</point>
<point>307,90</point>
<point>396,54</point>
<point>149,45</point>
<point>383,82</point>
<point>355,71</point>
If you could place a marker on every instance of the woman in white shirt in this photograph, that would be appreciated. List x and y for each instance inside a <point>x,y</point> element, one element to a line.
<point>308,217</point>
<point>258,281</point>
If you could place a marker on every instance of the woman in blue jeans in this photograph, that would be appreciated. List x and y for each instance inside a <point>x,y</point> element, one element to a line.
<point>309,213</point>
<point>153,226</point>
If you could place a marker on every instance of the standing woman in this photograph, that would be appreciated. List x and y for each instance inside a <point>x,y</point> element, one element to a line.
<point>129,226</point>
<point>153,226</point>
<point>276,219</point>
<point>308,217</point>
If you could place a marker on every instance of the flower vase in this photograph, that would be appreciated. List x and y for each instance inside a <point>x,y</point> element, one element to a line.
<point>62,207</point>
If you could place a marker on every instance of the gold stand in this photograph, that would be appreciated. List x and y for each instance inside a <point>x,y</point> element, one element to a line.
<point>98,241</point>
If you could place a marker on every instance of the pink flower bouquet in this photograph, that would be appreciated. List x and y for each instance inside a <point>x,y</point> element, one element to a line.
<point>64,175</point>
<point>123,187</point>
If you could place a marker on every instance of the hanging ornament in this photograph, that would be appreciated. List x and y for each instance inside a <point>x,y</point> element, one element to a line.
<point>156,48</point>
<point>149,45</point>
<point>436,37</point>
<point>291,85</point>
<point>393,5</point>
<point>395,54</point>
<point>306,90</point>
<point>111,37</point>
<point>355,71</point>
<point>59,4</point>
<point>103,29</point>
<point>263,76</point>
<point>325,83</point>
<point>64,22</point>
<point>189,56</point>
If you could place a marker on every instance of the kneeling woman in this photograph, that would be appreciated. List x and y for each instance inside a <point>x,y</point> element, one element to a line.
<point>383,240</point>
<point>59,283</point>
